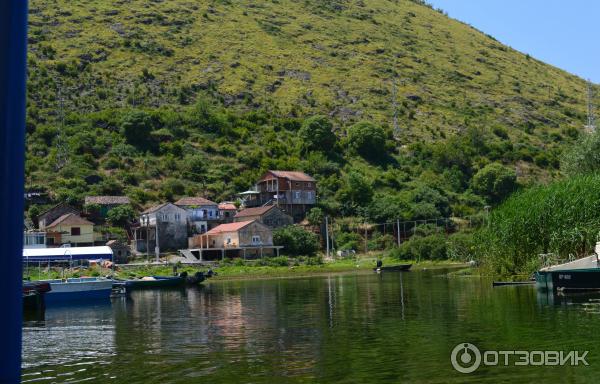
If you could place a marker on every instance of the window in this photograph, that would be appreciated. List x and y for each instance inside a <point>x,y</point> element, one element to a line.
<point>75,231</point>
<point>50,241</point>
<point>177,217</point>
<point>309,195</point>
<point>228,240</point>
<point>256,240</point>
<point>308,185</point>
<point>297,184</point>
<point>297,194</point>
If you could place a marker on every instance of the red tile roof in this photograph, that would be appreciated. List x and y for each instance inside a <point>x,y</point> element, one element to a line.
<point>70,219</point>
<point>291,175</point>
<point>189,201</point>
<point>231,227</point>
<point>227,207</point>
<point>258,211</point>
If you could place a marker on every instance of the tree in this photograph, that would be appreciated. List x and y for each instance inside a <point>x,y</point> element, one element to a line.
<point>315,216</point>
<point>367,139</point>
<point>317,134</point>
<point>495,182</point>
<point>120,216</point>
<point>296,241</point>
<point>137,127</point>
<point>584,156</point>
<point>357,192</point>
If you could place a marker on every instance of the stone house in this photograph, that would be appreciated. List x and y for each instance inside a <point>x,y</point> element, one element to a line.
<point>227,211</point>
<point>269,215</point>
<point>106,203</point>
<point>202,213</point>
<point>167,222</point>
<point>70,229</point>
<point>121,252</point>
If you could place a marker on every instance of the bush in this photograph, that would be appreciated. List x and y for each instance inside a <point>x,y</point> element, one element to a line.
<point>296,240</point>
<point>121,215</point>
<point>317,134</point>
<point>584,156</point>
<point>432,247</point>
<point>367,139</point>
<point>495,182</point>
<point>461,247</point>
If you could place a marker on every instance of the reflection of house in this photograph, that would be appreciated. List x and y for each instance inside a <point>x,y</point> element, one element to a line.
<point>167,222</point>
<point>246,238</point>
<point>294,192</point>
<point>121,252</point>
<point>51,214</point>
<point>227,211</point>
<point>70,229</point>
<point>202,213</point>
<point>269,215</point>
<point>106,203</point>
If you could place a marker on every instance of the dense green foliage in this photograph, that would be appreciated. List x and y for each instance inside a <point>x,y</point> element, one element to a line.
<point>437,246</point>
<point>561,218</point>
<point>495,182</point>
<point>368,140</point>
<point>584,156</point>
<point>296,241</point>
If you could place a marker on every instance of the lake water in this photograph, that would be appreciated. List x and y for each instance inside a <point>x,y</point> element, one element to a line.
<point>352,328</point>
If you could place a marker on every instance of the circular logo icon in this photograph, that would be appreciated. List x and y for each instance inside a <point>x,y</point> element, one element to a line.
<point>466,358</point>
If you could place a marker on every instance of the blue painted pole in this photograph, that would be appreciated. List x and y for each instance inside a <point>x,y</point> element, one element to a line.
<point>13,62</point>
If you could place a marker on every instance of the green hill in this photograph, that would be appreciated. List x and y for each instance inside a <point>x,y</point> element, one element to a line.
<point>157,99</point>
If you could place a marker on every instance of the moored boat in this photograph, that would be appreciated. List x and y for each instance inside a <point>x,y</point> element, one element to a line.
<point>391,268</point>
<point>77,289</point>
<point>152,282</point>
<point>579,275</point>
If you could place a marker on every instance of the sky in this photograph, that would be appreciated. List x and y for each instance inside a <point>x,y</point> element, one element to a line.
<point>564,33</point>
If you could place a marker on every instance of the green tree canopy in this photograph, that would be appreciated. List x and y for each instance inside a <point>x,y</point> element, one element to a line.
<point>495,182</point>
<point>584,156</point>
<point>296,241</point>
<point>121,215</point>
<point>137,127</point>
<point>317,134</point>
<point>367,139</point>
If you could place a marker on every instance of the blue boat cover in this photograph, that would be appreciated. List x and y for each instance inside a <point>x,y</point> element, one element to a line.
<point>33,255</point>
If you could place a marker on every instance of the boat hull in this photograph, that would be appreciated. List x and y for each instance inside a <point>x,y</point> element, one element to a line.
<point>158,282</point>
<point>392,268</point>
<point>78,290</point>
<point>569,280</point>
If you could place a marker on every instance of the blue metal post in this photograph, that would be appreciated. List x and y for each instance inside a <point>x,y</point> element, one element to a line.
<point>13,61</point>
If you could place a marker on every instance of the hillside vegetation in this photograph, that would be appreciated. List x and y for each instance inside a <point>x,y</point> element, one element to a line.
<point>158,99</point>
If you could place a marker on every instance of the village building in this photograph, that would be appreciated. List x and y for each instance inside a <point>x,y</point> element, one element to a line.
<point>105,203</point>
<point>247,239</point>
<point>227,211</point>
<point>167,222</point>
<point>53,213</point>
<point>70,229</point>
<point>121,252</point>
<point>202,213</point>
<point>269,215</point>
<point>294,192</point>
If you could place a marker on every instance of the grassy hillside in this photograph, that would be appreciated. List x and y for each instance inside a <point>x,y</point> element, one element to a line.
<point>222,88</point>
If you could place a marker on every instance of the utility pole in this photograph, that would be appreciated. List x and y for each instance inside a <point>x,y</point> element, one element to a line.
<point>327,234</point>
<point>157,247</point>
<point>591,119</point>
<point>398,230</point>
<point>366,246</point>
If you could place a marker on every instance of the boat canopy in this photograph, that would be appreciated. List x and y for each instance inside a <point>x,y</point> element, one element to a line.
<point>66,254</point>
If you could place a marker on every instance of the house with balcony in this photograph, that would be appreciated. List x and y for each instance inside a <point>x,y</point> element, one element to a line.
<point>202,213</point>
<point>293,192</point>
<point>165,222</point>
<point>227,211</point>
<point>247,239</point>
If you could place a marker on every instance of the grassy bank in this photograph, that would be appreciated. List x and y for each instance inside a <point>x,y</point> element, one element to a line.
<point>268,268</point>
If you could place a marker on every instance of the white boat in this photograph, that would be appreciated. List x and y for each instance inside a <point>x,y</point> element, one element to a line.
<point>77,289</point>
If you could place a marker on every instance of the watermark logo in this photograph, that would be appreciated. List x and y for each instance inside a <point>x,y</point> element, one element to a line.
<point>467,358</point>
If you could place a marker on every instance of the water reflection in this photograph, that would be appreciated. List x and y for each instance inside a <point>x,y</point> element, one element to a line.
<point>392,327</point>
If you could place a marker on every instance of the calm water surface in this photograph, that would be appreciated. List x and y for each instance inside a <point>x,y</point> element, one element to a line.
<point>357,328</point>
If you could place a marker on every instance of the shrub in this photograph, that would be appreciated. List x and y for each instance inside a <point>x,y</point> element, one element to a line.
<point>121,215</point>
<point>431,247</point>
<point>317,134</point>
<point>495,182</point>
<point>296,240</point>
<point>367,139</point>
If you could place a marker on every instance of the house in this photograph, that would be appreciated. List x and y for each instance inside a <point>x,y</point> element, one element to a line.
<point>53,213</point>
<point>269,215</point>
<point>121,252</point>
<point>34,239</point>
<point>227,211</point>
<point>202,213</point>
<point>294,192</point>
<point>70,229</point>
<point>244,238</point>
<point>106,203</point>
<point>167,222</point>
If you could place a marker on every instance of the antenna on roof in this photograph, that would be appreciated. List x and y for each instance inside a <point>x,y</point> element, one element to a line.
<point>591,119</point>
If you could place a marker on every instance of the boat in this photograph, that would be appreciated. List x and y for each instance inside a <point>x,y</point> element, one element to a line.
<point>195,279</point>
<point>151,282</point>
<point>77,289</point>
<point>33,294</point>
<point>393,268</point>
<point>505,283</point>
<point>578,275</point>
